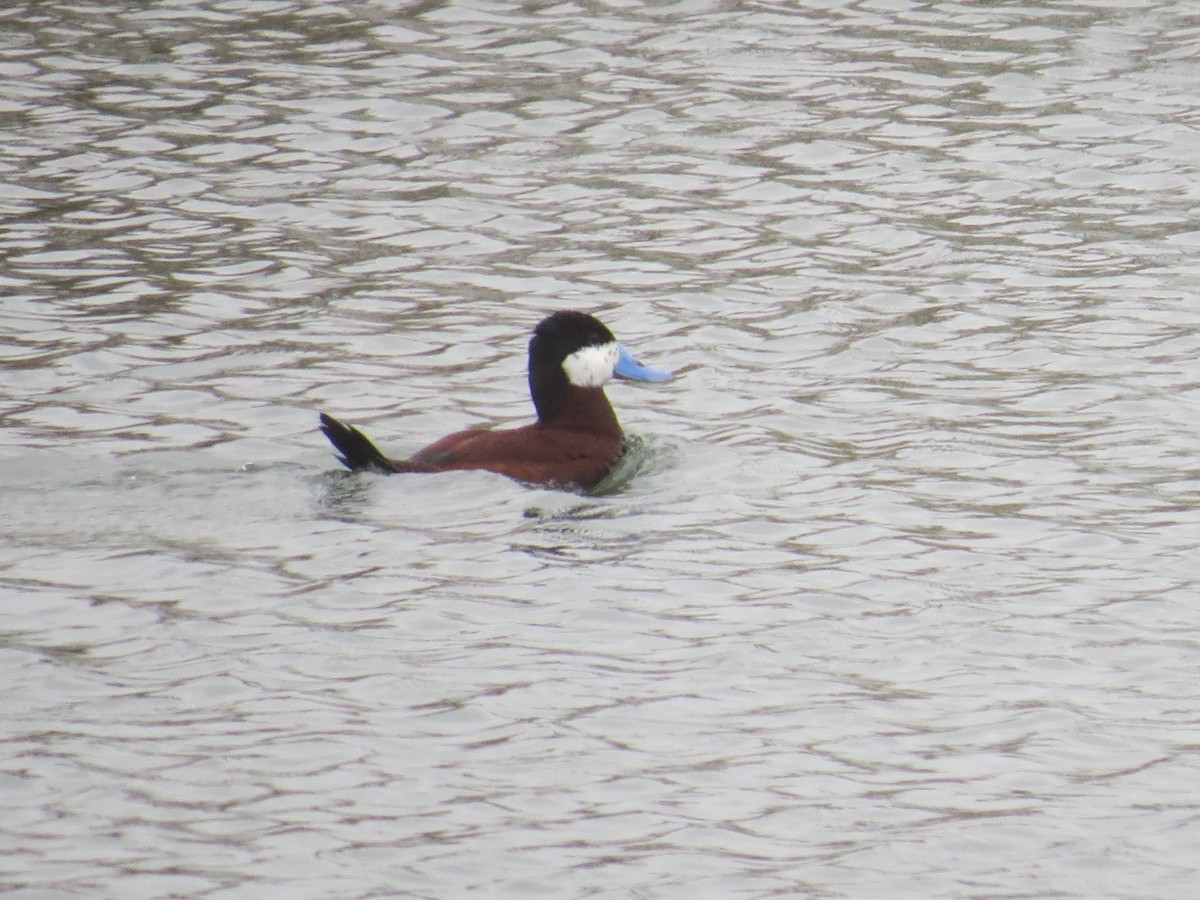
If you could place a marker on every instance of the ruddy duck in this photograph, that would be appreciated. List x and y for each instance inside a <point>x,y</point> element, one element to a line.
<point>576,439</point>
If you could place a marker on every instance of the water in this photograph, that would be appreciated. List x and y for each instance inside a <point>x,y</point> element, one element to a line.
<point>899,600</point>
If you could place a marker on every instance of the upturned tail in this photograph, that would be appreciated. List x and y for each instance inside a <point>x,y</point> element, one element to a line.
<point>356,452</point>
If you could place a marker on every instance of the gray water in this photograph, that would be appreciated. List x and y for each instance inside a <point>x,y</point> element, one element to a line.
<point>899,599</point>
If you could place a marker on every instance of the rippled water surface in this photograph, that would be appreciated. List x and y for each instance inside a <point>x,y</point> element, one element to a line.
<point>900,598</point>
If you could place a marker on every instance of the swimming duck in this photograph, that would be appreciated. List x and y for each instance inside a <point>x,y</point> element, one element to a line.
<point>576,439</point>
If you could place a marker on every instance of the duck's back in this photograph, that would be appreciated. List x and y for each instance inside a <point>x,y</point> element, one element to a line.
<point>534,453</point>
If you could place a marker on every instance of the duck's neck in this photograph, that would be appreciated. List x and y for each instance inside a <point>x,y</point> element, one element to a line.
<point>580,409</point>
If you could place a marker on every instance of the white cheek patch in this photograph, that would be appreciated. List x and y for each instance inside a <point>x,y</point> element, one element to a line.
<point>592,366</point>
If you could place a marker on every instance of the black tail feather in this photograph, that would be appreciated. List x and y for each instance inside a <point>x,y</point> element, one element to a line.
<point>357,453</point>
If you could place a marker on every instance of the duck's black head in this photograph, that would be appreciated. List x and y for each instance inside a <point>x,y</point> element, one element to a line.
<point>568,349</point>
